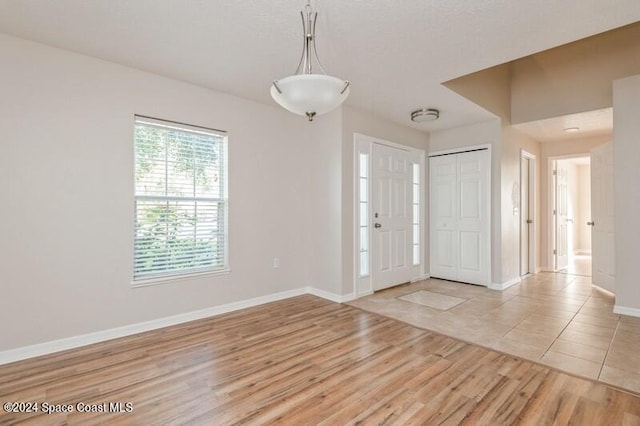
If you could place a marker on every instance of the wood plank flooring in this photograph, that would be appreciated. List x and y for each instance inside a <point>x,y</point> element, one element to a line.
<point>300,361</point>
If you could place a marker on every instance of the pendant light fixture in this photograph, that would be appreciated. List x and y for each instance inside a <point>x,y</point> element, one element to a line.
<point>306,92</point>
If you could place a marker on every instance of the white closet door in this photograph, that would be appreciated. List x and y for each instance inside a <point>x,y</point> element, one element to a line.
<point>443,218</point>
<point>473,219</point>
<point>460,217</point>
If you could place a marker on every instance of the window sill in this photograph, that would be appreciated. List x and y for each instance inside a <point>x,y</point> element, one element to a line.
<point>146,282</point>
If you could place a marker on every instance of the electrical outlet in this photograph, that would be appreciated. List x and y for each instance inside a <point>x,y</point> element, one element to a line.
<point>276,262</point>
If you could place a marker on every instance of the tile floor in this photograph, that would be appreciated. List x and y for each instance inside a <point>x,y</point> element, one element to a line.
<point>559,320</point>
<point>579,264</point>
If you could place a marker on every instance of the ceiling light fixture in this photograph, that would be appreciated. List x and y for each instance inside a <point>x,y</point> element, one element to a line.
<point>307,93</point>
<point>424,114</point>
<point>572,129</point>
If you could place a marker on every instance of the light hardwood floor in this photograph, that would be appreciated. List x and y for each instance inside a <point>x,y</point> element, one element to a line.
<point>305,360</point>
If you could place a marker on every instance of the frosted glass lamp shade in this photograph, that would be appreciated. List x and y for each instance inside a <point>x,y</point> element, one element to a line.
<point>310,94</point>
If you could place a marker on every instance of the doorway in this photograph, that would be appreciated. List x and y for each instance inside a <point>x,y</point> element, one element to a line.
<point>389,209</point>
<point>460,224</point>
<point>571,177</point>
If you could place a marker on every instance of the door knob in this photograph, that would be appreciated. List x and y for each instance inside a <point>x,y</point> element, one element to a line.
<point>592,223</point>
<point>529,221</point>
<point>377,225</point>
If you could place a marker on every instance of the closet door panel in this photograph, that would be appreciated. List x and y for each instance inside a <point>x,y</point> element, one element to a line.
<point>443,217</point>
<point>474,217</point>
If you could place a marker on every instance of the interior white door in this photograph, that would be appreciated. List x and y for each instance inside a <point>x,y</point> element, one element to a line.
<point>602,217</point>
<point>562,216</point>
<point>391,207</point>
<point>460,217</point>
<point>525,217</point>
<point>473,222</point>
<point>444,216</point>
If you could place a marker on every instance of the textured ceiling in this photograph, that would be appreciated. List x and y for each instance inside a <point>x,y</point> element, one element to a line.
<point>395,53</point>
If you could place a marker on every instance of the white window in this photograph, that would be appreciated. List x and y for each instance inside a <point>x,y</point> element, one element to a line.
<point>180,199</point>
<point>415,185</point>
<point>363,207</point>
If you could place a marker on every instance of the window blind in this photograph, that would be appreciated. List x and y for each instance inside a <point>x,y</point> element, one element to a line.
<point>180,199</point>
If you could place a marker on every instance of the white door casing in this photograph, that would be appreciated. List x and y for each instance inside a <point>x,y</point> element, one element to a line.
<point>561,216</point>
<point>460,217</point>
<point>392,224</point>
<point>525,217</point>
<point>528,259</point>
<point>602,217</point>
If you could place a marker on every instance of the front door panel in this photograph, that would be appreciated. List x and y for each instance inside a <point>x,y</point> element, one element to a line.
<point>391,206</point>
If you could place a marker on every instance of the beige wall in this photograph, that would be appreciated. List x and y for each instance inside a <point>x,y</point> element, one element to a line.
<point>550,150</point>
<point>626,152</point>
<point>322,198</point>
<point>356,121</point>
<point>489,88</point>
<point>575,77</point>
<point>67,166</point>
<point>67,174</point>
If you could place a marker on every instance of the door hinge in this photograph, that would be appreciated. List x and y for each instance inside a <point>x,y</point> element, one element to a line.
<point>554,251</point>
<point>555,172</point>
<point>554,211</point>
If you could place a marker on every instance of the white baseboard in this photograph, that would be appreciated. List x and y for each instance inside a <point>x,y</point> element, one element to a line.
<point>623,310</point>
<point>50,347</point>
<point>505,285</point>
<point>547,269</point>
<point>329,295</point>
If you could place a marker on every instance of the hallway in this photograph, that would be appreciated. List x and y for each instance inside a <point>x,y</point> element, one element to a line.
<point>556,319</point>
<point>579,264</point>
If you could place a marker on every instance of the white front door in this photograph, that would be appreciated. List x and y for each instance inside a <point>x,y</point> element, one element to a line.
<point>391,207</point>
<point>460,217</point>
<point>562,216</point>
<point>602,217</point>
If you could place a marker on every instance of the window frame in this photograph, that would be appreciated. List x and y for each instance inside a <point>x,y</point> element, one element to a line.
<point>187,273</point>
<point>363,173</point>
